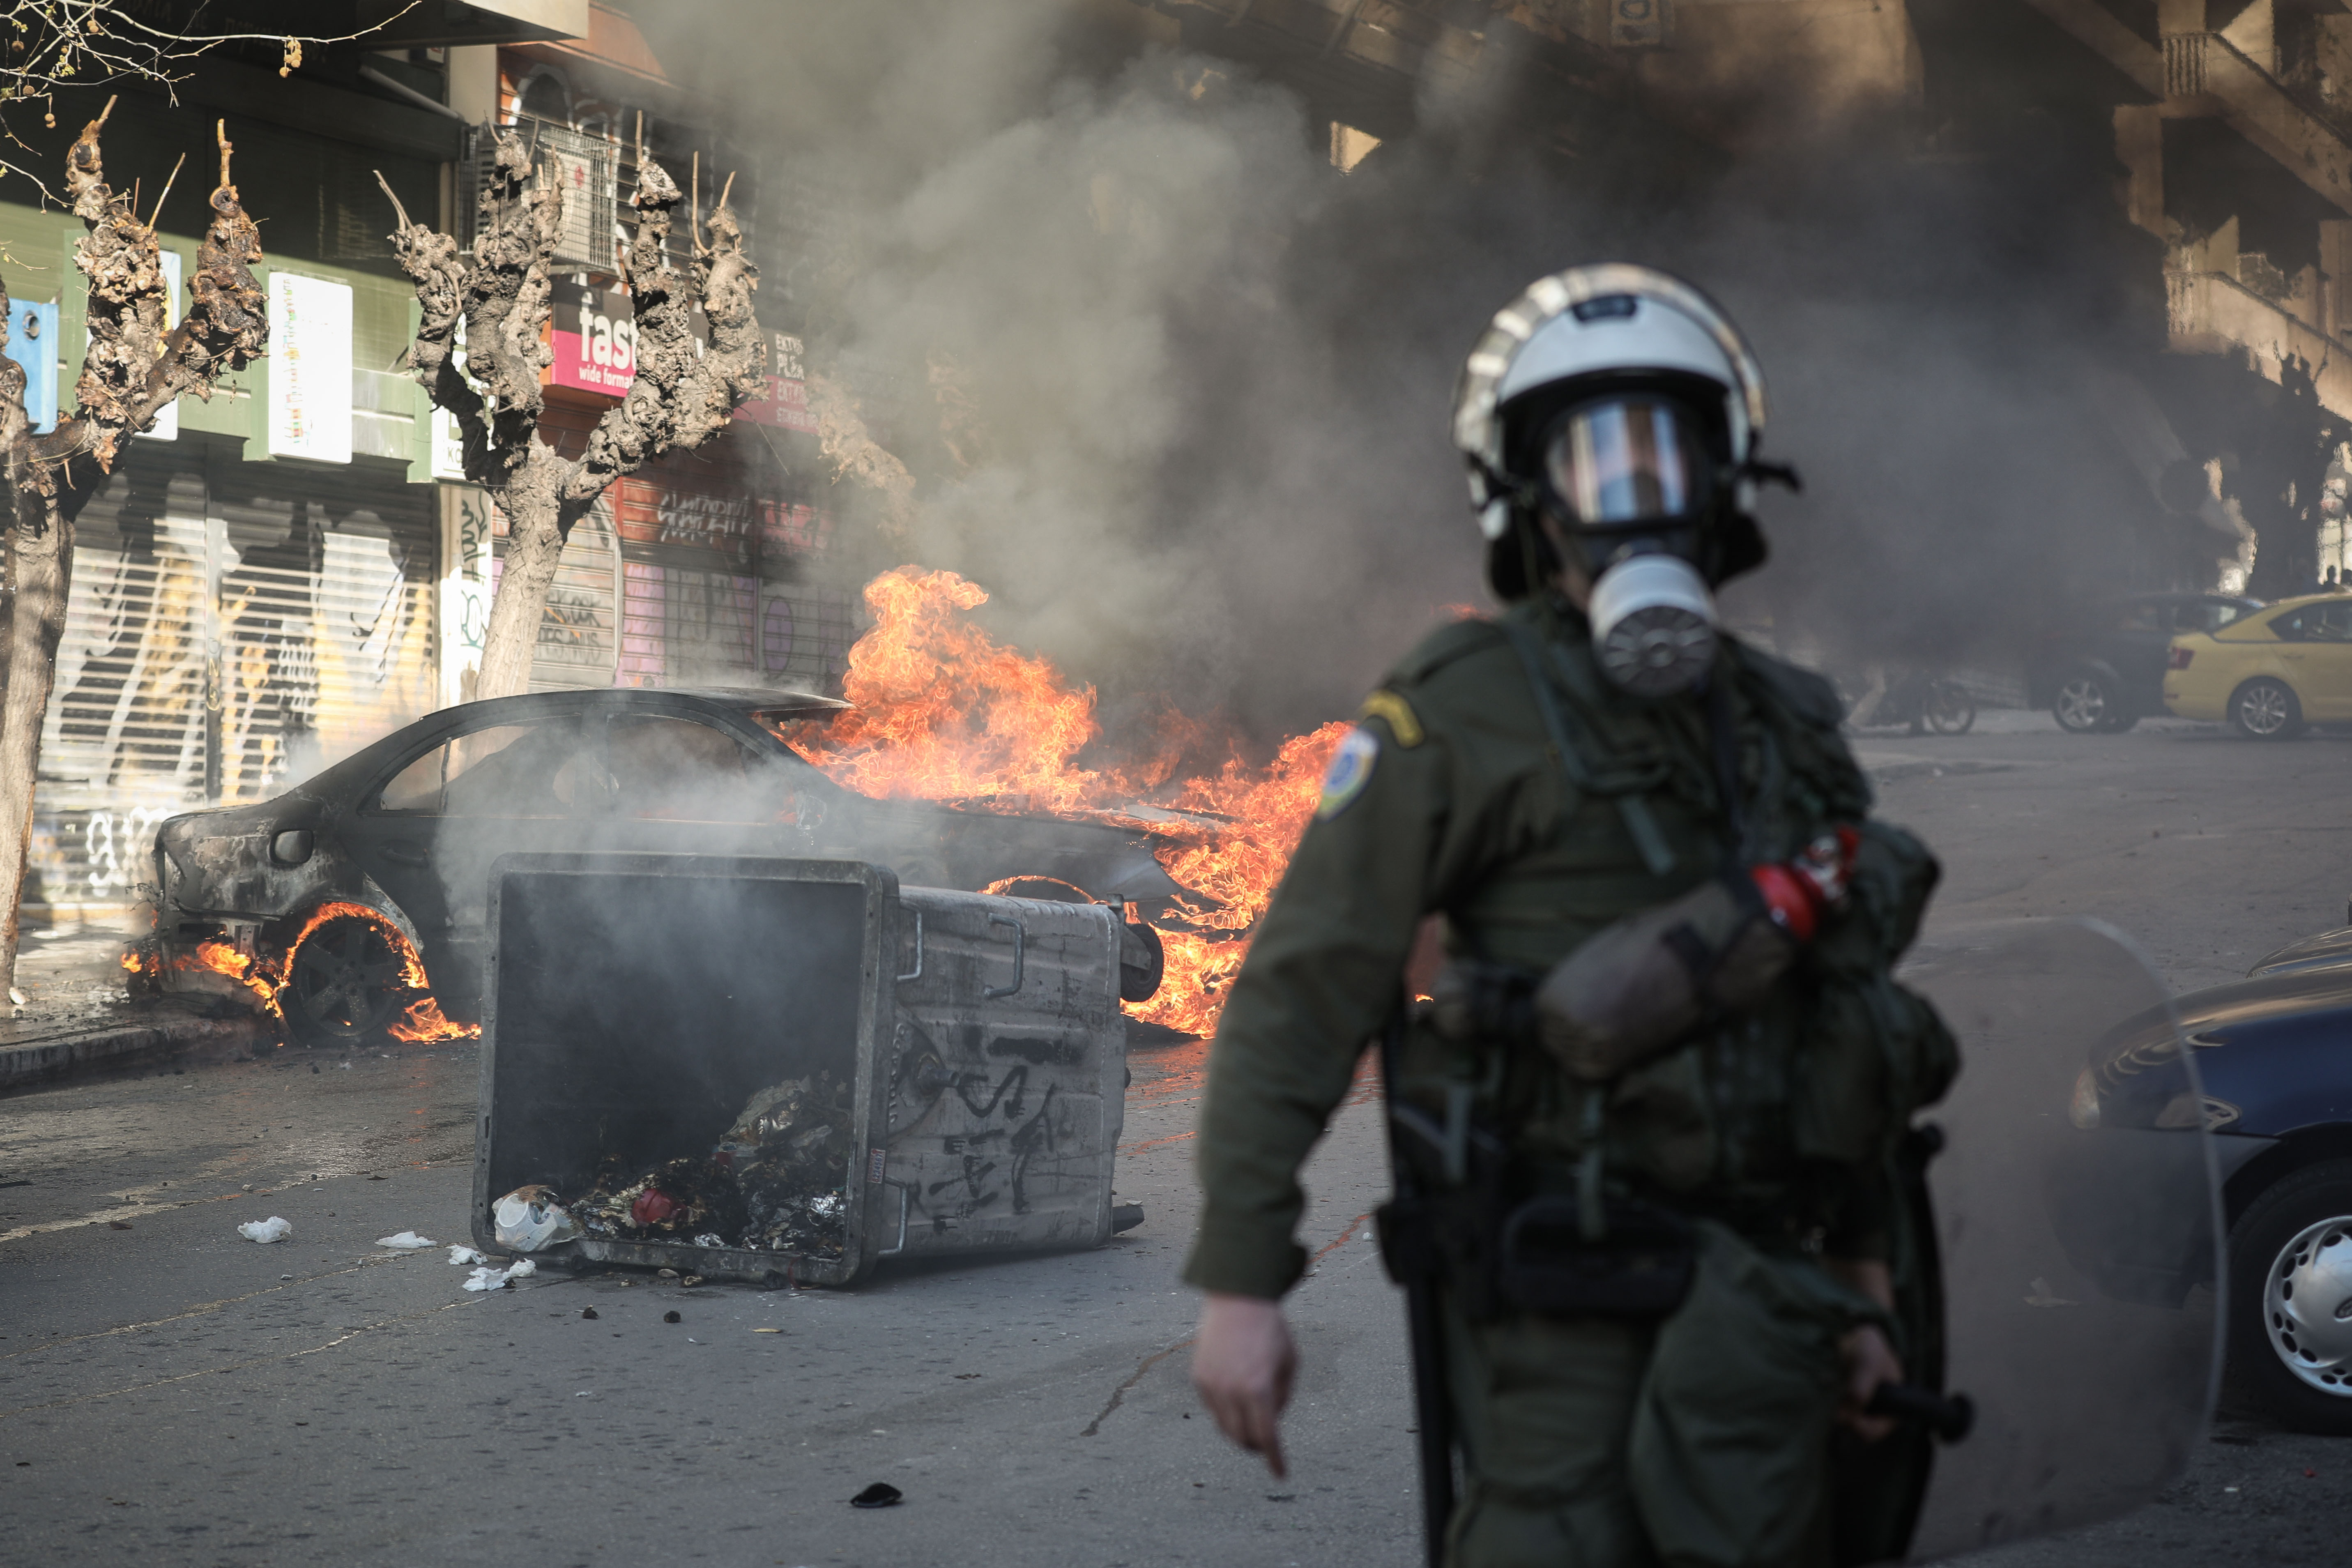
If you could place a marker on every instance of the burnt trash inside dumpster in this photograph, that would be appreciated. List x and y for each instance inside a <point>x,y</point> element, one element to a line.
<point>782,1072</point>
<point>774,1182</point>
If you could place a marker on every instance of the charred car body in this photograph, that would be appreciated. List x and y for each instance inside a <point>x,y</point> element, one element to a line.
<point>401,836</point>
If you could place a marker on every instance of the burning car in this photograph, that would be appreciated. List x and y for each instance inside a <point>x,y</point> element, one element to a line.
<point>355,902</point>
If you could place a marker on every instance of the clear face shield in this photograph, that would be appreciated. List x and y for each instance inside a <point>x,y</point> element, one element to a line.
<point>1632,480</point>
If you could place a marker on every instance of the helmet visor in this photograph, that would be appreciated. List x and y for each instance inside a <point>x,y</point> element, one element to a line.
<point>1623,460</point>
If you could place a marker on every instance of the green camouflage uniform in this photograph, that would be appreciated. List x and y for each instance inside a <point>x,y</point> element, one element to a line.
<point>1584,1441</point>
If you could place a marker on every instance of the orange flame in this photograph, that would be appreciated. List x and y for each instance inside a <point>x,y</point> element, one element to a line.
<point>266,976</point>
<point>946,712</point>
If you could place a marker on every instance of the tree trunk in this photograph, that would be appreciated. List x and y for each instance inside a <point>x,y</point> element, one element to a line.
<point>40,575</point>
<point>534,546</point>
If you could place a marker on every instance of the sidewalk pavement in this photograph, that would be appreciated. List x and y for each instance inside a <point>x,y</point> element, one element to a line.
<point>76,1015</point>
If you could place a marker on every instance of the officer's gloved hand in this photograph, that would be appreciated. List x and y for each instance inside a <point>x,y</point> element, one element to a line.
<point>1650,980</point>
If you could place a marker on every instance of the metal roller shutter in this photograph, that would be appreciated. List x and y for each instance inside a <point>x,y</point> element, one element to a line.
<point>580,629</point>
<point>233,627</point>
<point>681,627</point>
<point>327,616</point>
<point>125,742</point>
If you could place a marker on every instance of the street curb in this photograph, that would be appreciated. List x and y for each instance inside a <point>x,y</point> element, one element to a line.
<point>123,1044</point>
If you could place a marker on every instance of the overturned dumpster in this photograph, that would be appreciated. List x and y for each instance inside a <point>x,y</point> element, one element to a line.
<point>787,1070</point>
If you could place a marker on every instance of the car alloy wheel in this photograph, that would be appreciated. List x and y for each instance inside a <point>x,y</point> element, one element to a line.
<point>2308,1305</point>
<point>2266,709</point>
<point>2084,704</point>
<point>346,982</point>
<point>2290,1298</point>
<point>1948,709</point>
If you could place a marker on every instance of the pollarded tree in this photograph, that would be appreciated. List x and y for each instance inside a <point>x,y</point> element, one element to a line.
<point>134,370</point>
<point>500,291</point>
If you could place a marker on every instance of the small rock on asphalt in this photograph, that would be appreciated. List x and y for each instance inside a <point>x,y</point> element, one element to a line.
<point>881,1494</point>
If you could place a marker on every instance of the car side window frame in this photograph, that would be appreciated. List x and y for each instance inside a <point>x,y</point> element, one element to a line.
<point>371,798</point>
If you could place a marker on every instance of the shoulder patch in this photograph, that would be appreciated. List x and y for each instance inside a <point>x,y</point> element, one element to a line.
<point>1351,771</point>
<point>1398,715</point>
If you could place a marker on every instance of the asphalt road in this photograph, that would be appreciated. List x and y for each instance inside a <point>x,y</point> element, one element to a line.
<point>172,1393</point>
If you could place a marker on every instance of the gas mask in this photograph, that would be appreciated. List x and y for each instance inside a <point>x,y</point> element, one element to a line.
<point>1609,415</point>
<point>1629,490</point>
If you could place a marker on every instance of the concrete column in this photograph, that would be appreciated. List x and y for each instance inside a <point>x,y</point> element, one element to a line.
<point>474,82</point>
<point>2336,274</point>
<point>2139,147</point>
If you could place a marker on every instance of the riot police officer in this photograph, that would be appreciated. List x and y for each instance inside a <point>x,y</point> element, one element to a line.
<point>1650,1130</point>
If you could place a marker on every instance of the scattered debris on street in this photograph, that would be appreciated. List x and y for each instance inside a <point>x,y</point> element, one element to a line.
<point>881,1494</point>
<point>487,1279</point>
<point>529,1218</point>
<point>266,1231</point>
<point>460,1255</point>
<point>406,1241</point>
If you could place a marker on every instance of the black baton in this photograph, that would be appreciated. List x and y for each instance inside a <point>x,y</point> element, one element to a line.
<point>1427,1335</point>
<point>1949,1417</point>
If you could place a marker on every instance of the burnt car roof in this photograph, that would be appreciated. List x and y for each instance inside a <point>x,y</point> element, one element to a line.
<point>746,699</point>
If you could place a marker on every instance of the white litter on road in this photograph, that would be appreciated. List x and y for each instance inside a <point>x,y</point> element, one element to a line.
<point>498,1279</point>
<point>461,1256</point>
<point>266,1231</point>
<point>406,1241</point>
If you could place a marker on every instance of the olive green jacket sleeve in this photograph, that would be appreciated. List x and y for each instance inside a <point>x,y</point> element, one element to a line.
<point>1323,974</point>
<point>1325,970</point>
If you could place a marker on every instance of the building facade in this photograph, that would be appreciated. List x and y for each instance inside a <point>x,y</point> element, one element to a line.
<point>281,575</point>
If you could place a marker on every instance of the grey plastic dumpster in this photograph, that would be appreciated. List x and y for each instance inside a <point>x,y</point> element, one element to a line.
<point>634,1004</point>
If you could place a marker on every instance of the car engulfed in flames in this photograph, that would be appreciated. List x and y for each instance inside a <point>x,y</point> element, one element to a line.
<point>351,904</point>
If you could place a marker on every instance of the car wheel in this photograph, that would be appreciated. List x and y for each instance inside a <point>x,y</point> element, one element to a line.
<point>345,983</point>
<point>2087,703</point>
<point>1948,709</point>
<point>2266,709</point>
<point>2291,1298</point>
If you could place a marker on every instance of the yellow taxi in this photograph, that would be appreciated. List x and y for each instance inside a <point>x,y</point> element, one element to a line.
<point>2270,673</point>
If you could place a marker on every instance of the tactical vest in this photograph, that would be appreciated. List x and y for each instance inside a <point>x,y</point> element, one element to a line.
<point>1777,1121</point>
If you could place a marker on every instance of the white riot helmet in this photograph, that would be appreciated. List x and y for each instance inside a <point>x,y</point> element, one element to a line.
<point>1613,412</point>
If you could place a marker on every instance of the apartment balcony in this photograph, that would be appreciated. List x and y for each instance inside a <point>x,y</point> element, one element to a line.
<point>2214,314</point>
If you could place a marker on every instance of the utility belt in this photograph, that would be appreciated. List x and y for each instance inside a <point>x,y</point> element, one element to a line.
<point>1535,1256</point>
<point>1503,1237</point>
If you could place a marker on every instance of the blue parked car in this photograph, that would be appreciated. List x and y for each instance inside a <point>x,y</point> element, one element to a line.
<point>2274,1055</point>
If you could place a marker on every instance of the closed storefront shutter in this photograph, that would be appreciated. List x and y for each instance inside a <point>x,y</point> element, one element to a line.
<point>685,626</point>
<point>804,635</point>
<point>233,627</point>
<point>580,629</point>
<point>579,635</point>
<point>125,742</point>
<point>326,617</point>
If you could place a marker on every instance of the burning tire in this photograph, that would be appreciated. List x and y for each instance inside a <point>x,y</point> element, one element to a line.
<point>346,981</point>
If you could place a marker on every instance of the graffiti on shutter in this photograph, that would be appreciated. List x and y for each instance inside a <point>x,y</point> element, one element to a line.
<point>233,627</point>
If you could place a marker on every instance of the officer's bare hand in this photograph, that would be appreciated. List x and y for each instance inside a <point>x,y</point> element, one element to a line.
<point>1868,1359</point>
<point>1869,1362</point>
<point>1243,1362</point>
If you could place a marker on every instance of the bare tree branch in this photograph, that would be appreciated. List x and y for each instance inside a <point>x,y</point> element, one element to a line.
<point>503,295</point>
<point>683,395</point>
<point>47,46</point>
<point>133,369</point>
